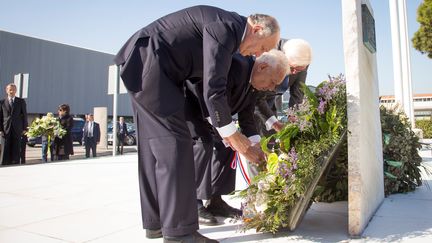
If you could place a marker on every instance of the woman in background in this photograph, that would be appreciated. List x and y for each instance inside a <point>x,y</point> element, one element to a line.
<point>64,145</point>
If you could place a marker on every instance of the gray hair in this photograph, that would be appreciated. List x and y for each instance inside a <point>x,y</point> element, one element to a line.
<point>269,24</point>
<point>298,52</point>
<point>11,85</point>
<point>276,59</point>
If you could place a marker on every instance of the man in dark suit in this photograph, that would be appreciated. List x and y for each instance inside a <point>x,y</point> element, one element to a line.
<point>122,132</point>
<point>196,42</point>
<point>213,173</point>
<point>91,133</point>
<point>13,124</point>
<point>299,54</point>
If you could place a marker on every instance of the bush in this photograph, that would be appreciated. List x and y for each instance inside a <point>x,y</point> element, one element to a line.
<point>400,151</point>
<point>426,126</point>
<point>401,161</point>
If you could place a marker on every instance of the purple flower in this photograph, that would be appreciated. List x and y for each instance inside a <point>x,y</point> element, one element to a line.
<point>292,155</point>
<point>286,168</point>
<point>321,106</point>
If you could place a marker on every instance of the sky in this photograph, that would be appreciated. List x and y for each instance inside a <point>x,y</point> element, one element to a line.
<point>104,25</point>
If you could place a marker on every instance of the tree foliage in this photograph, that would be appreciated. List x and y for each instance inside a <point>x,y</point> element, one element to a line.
<point>422,40</point>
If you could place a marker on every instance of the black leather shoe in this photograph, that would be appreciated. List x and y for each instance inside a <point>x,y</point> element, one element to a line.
<point>219,207</point>
<point>153,234</point>
<point>192,238</point>
<point>205,217</point>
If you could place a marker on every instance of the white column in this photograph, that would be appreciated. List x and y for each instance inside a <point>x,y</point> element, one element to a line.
<point>115,108</point>
<point>397,70</point>
<point>401,57</point>
<point>101,117</point>
<point>114,86</point>
<point>406,61</point>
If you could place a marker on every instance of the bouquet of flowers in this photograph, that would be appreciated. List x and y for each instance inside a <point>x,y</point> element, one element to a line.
<point>47,126</point>
<point>313,128</point>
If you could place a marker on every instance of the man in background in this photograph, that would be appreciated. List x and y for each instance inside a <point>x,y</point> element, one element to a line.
<point>122,132</point>
<point>13,125</point>
<point>91,133</point>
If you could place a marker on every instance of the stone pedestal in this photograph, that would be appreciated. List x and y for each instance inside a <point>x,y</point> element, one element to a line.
<point>101,117</point>
<point>365,158</point>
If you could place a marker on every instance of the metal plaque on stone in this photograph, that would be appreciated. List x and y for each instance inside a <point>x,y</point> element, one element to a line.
<point>368,28</point>
<point>297,213</point>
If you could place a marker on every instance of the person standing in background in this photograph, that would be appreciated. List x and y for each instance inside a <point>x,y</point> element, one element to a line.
<point>122,132</point>
<point>64,145</point>
<point>13,125</point>
<point>91,134</point>
<point>47,146</point>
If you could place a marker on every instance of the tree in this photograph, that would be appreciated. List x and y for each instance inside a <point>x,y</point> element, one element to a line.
<point>422,40</point>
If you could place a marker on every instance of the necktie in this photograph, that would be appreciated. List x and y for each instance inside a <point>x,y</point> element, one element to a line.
<point>90,129</point>
<point>11,102</point>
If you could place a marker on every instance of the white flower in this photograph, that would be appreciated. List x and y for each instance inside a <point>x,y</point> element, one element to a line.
<point>260,208</point>
<point>261,202</point>
<point>263,185</point>
<point>283,156</point>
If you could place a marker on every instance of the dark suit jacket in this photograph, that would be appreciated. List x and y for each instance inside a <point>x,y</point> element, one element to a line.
<point>193,43</point>
<point>240,96</point>
<point>96,131</point>
<point>120,128</point>
<point>13,117</point>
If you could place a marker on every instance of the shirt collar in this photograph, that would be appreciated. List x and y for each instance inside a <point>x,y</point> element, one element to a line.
<point>244,33</point>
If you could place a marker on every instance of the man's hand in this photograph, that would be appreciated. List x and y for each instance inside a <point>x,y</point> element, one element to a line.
<point>277,126</point>
<point>241,143</point>
<point>257,154</point>
<point>2,134</point>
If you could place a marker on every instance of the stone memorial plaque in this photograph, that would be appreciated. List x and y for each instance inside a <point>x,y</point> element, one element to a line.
<point>299,210</point>
<point>368,27</point>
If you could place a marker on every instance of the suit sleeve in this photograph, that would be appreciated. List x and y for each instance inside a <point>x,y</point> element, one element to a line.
<point>219,43</point>
<point>296,93</point>
<point>98,133</point>
<point>246,119</point>
<point>263,109</point>
<point>24,115</point>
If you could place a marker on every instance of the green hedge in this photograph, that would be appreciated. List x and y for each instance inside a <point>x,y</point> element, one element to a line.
<point>426,126</point>
<point>401,160</point>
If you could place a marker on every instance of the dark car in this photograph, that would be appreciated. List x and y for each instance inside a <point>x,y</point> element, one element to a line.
<point>77,130</point>
<point>77,133</point>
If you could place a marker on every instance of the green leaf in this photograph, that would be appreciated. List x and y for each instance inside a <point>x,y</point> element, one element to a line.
<point>390,175</point>
<point>386,138</point>
<point>313,100</point>
<point>393,163</point>
<point>272,161</point>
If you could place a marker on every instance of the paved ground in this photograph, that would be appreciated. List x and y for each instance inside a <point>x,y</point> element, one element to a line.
<point>34,154</point>
<point>97,200</point>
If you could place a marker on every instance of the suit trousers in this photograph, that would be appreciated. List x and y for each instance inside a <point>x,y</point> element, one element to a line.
<point>214,174</point>
<point>90,143</point>
<point>12,148</point>
<point>166,171</point>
